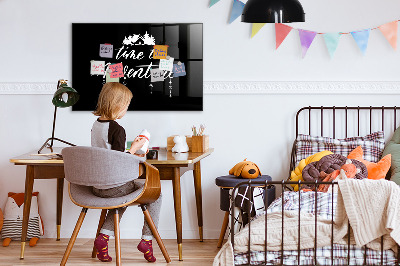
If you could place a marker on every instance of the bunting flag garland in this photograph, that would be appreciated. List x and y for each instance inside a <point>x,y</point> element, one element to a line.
<point>237,9</point>
<point>361,38</point>
<point>306,39</point>
<point>256,28</point>
<point>213,2</point>
<point>332,41</point>
<point>389,30</point>
<point>281,31</point>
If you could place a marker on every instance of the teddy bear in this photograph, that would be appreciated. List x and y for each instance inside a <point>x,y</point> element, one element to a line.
<point>245,169</point>
<point>13,215</point>
<point>180,144</point>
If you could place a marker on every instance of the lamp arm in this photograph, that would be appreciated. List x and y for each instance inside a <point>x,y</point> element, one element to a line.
<point>54,119</point>
<point>51,140</point>
<point>54,126</point>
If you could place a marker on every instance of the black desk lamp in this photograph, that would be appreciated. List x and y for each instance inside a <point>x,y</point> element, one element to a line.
<point>64,97</point>
<point>273,11</point>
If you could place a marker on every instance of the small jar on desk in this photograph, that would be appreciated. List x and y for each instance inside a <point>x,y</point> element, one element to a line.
<point>226,183</point>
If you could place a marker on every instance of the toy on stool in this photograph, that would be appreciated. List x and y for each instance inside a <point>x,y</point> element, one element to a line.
<point>180,144</point>
<point>245,169</point>
<point>13,215</point>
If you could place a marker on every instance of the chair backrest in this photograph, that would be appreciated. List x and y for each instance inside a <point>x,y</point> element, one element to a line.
<point>91,166</point>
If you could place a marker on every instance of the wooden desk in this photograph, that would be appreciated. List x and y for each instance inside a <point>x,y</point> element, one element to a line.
<point>40,167</point>
<point>171,167</point>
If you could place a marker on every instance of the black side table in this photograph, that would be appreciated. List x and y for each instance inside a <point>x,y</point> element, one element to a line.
<point>226,183</point>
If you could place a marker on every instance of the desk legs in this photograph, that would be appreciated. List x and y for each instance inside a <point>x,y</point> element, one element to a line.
<point>174,173</point>
<point>27,206</point>
<point>41,172</point>
<point>60,190</point>
<point>176,183</point>
<point>199,204</point>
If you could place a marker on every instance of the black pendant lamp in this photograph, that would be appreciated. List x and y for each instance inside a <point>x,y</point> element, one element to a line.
<point>273,11</point>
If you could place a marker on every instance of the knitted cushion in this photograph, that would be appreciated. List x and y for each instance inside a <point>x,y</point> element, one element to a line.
<point>328,164</point>
<point>372,144</point>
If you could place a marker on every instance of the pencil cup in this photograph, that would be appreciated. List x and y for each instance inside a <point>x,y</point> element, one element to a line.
<point>200,143</point>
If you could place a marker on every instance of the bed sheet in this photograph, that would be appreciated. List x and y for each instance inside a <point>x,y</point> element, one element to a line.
<point>324,206</point>
<point>324,257</point>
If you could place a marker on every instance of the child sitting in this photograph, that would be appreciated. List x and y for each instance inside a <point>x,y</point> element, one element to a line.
<point>113,103</point>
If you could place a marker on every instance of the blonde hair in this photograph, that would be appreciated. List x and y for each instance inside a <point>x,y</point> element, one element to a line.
<point>112,99</point>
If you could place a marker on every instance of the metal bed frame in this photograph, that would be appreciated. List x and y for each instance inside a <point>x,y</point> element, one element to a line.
<point>284,184</point>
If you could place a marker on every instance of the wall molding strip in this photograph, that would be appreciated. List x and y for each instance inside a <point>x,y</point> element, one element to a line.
<point>246,87</point>
<point>28,88</point>
<point>302,87</point>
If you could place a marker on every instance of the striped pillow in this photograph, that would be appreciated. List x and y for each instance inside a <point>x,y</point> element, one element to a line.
<point>13,228</point>
<point>372,145</point>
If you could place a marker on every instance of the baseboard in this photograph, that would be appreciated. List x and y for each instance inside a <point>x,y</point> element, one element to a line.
<point>245,87</point>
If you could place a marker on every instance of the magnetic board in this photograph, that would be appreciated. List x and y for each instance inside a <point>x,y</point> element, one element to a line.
<point>162,64</point>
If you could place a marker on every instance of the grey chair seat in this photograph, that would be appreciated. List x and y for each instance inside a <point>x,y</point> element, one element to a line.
<point>85,167</point>
<point>83,196</point>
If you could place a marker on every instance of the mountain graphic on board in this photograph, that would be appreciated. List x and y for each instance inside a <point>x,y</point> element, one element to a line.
<point>137,39</point>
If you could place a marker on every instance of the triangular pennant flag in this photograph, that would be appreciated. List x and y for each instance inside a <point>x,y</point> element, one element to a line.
<point>332,41</point>
<point>361,37</point>
<point>281,31</point>
<point>237,9</point>
<point>306,39</point>
<point>390,32</point>
<point>256,28</point>
<point>213,2</point>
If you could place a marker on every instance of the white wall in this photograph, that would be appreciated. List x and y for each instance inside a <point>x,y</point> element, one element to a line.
<point>36,47</point>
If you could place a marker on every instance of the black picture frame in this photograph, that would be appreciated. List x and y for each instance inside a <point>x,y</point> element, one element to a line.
<point>185,41</point>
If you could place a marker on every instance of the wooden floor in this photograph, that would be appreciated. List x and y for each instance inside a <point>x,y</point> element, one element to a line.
<point>50,252</point>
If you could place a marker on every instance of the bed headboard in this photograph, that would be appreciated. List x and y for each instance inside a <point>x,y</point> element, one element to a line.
<point>377,115</point>
<point>344,121</point>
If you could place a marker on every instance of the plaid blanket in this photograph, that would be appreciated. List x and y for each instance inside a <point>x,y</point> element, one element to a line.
<point>322,204</point>
<point>324,257</point>
<point>307,202</point>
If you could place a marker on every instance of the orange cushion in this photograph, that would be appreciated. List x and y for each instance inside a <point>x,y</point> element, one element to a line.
<point>375,170</point>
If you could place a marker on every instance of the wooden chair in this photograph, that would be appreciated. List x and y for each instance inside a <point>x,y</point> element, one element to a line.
<point>85,167</point>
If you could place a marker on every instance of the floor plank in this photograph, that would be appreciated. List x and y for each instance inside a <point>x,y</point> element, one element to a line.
<point>49,252</point>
